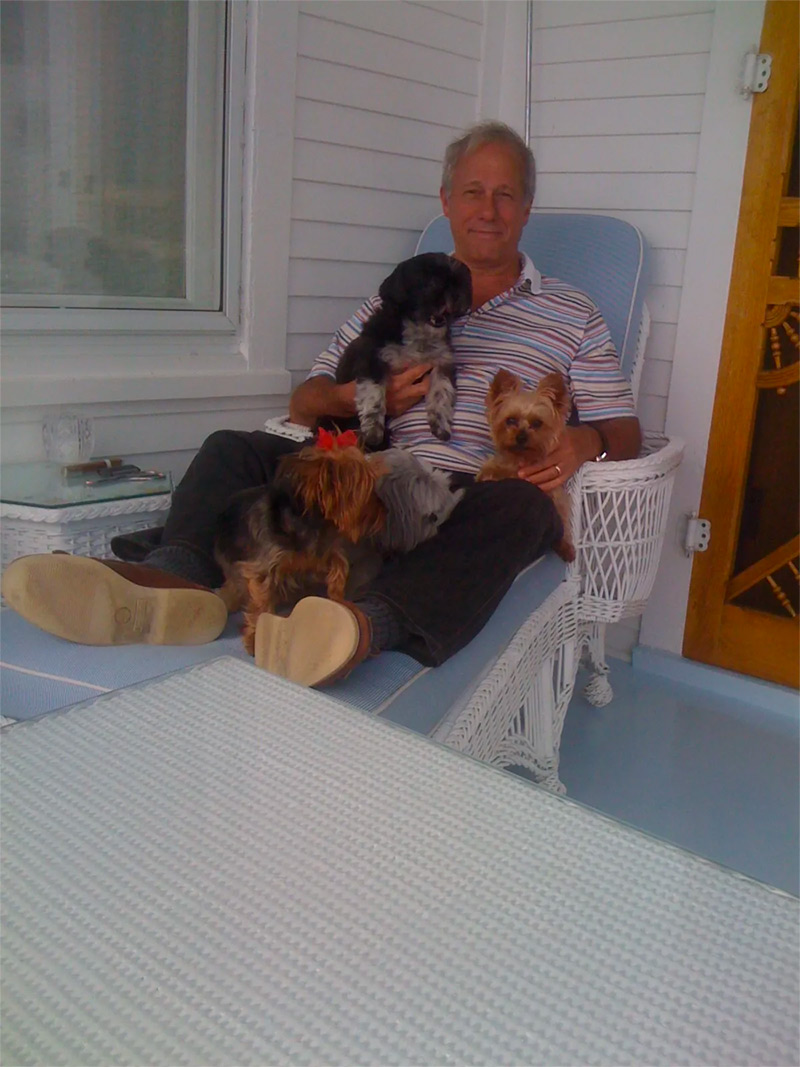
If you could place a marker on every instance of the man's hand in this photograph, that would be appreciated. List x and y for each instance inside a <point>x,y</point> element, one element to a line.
<point>407,388</point>
<point>579,444</point>
<point>319,396</point>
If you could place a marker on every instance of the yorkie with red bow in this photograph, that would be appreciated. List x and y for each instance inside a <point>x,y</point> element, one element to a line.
<point>328,509</point>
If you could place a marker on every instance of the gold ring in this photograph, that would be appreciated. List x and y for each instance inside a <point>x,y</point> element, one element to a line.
<point>558,469</point>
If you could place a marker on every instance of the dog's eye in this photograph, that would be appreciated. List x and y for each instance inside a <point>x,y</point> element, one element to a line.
<point>536,424</point>
<point>512,422</point>
<point>438,320</point>
<point>433,517</point>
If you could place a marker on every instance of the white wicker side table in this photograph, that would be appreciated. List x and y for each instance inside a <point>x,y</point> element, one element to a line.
<point>40,511</point>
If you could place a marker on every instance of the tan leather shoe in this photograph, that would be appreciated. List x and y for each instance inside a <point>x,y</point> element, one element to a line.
<point>105,602</point>
<point>320,642</point>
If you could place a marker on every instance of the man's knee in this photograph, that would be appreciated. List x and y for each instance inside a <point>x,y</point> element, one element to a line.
<point>225,442</point>
<point>516,504</point>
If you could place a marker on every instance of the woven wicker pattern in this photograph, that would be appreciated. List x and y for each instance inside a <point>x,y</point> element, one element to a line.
<point>84,530</point>
<point>516,715</point>
<point>619,518</point>
<point>619,529</point>
<point>222,868</point>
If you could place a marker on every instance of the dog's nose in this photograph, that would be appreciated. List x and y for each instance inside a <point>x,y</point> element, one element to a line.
<point>522,437</point>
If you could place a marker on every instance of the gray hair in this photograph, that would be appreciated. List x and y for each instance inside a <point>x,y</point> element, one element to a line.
<point>490,133</point>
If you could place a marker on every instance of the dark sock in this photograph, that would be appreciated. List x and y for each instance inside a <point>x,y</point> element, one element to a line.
<point>183,562</point>
<point>388,628</point>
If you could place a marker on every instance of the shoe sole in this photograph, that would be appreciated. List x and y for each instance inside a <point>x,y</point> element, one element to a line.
<point>82,600</point>
<point>311,646</point>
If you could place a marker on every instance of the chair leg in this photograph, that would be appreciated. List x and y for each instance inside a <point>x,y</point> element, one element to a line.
<point>598,689</point>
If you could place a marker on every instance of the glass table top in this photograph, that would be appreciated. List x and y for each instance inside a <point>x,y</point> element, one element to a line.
<point>44,485</point>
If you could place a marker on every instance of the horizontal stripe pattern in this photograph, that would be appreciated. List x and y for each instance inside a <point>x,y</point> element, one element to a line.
<point>539,326</point>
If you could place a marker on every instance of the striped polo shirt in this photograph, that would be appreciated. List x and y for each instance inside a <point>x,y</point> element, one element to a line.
<point>538,326</point>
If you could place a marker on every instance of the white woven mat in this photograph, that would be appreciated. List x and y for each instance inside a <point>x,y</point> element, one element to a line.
<point>221,868</point>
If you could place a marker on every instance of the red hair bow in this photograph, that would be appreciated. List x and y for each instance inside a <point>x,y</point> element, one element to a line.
<point>331,441</point>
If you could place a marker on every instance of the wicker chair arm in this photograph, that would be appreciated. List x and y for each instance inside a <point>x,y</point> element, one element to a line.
<point>619,517</point>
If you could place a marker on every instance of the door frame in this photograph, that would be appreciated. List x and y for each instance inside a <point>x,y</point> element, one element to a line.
<point>718,186</point>
<point>718,633</point>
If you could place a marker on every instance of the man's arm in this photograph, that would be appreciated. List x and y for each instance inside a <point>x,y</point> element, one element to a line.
<point>320,396</point>
<point>620,438</point>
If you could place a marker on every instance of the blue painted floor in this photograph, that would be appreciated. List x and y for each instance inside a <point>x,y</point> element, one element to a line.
<point>690,767</point>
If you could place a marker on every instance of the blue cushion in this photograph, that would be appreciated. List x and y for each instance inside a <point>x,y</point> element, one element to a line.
<point>42,673</point>
<point>399,689</point>
<point>604,257</point>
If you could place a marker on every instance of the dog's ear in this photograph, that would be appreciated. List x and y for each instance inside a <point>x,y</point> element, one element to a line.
<point>395,289</point>
<point>503,384</point>
<point>554,387</point>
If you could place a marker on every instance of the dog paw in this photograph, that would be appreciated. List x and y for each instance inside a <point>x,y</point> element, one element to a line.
<point>566,550</point>
<point>440,428</point>
<point>373,437</point>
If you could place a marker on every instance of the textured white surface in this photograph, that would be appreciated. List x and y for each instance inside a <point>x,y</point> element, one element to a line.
<point>222,868</point>
<point>82,529</point>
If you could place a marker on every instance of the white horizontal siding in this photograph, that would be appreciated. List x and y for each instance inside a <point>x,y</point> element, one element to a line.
<point>322,37</point>
<point>340,165</point>
<point>616,192</point>
<point>319,201</point>
<point>372,130</point>
<point>628,117</point>
<point>299,345</point>
<point>386,95</point>
<point>404,22</point>
<point>317,277</point>
<point>624,38</point>
<point>350,244</point>
<point>380,89</point>
<point>644,154</point>
<point>618,92</point>
<point>675,75</point>
<point>582,13</point>
<point>468,10</point>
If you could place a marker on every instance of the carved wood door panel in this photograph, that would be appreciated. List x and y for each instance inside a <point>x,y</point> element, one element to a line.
<point>743,601</point>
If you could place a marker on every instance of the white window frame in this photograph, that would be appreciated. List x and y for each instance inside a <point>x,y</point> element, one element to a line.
<point>206,143</point>
<point>68,356</point>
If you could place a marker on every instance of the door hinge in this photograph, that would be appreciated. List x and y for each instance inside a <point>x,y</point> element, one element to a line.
<point>756,69</point>
<point>697,535</point>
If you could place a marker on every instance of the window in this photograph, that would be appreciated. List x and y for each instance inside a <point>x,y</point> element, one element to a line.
<point>121,183</point>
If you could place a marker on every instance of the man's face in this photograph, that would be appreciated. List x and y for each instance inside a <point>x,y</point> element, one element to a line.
<point>487,207</point>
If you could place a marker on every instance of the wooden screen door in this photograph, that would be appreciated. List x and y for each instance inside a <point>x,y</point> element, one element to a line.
<point>743,599</point>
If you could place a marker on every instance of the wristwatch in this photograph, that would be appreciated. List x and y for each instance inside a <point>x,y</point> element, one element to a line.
<point>603,453</point>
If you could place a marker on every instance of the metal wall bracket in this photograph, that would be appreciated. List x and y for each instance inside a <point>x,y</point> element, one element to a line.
<point>697,535</point>
<point>756,70</point>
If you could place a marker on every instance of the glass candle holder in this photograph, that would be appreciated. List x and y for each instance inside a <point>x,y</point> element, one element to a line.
<point>68,437</point>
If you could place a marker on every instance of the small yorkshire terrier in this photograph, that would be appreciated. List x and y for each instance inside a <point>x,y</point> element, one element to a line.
<point>328,509</point>
<point>419,301</point>
<point>526,425</point>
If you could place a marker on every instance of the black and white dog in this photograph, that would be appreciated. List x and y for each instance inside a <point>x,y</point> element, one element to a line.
<point>419,301</point>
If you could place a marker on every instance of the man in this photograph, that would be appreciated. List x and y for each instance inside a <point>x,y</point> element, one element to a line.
<point>432,601</point>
